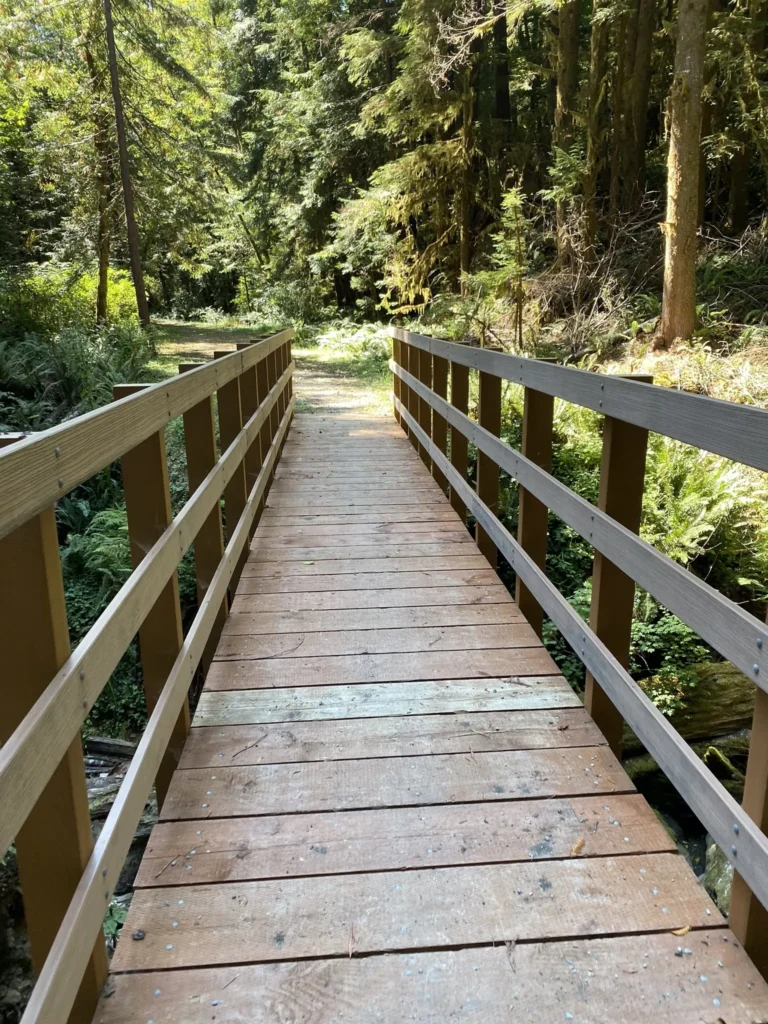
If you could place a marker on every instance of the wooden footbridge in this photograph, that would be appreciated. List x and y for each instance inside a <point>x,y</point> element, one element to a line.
<point>389,805</point>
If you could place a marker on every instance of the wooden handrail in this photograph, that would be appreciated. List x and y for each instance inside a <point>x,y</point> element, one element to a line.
<point>732,829</point>
<point>34,472</point>
<point>37,471</point>
<point>58,982</point>
<point>34,750</point>
<point>738,432</point>
<point>737,635</point>
<point>634,408</point>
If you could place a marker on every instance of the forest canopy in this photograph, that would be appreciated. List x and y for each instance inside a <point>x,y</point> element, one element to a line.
<point>289,159</point>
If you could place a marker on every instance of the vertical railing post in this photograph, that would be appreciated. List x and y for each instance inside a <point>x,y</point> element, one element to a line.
<point>748,918</point>
<point>54,844</point>
<point>249,401</point>
<point>459,443</point>
<point>411,364</point>
<point>424,413</point>
<point>489,417</point>
<point>289,360</point>
<point>265,434</point>
<point>622,481</point>
<point>148,504</point>
<point>200,445</point>
<point>396,382</point>
<point>235,493</point>
<point>538,413</point>
<point>439,423</point>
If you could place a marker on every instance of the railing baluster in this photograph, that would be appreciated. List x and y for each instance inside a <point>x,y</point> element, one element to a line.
<point>538,410</point>
<point>459,444</point>
<point>200,444</point>
<point>488,416</point>
<point>439,424</point>
<point>54,844</point>
<point>230,424</point>
<point>249,401</point>
<point>410,363</point>
<point>396,382</point>
<point>148,504</point>
<point>423,409</point>
<point>748,918</point>
<point>622,480</point>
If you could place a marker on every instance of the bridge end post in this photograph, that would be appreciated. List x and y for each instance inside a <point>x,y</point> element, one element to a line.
<point>54,844</point>
<point>748,918</point>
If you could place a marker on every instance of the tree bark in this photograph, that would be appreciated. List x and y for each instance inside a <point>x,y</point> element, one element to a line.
<point>598,44</point>
<point>502,107</point>
<point>132,231</point>
<point>637,133</point>
<point>103,183</point>
<point>617,120</point>
<point>678,312</point>
<point>567,71</point>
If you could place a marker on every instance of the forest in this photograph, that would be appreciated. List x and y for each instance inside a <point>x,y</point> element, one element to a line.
<point>578,180</point>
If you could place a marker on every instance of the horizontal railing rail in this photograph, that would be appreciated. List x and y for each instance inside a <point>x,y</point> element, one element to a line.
<point>738,432</point>
<point>72,966</point>
<point>427,409</point>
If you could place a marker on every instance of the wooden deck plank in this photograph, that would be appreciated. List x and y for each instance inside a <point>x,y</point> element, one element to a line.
<point>247,922</point>
<point>249,849</point>
<point>481,575</point>
<point>327,534</point>
<point>389,737</point>
<point>281,646</point>
<point>266,550</point>
<point>392,782</point>
<point>318,602</point>
<point>344,566</point>
<point>257,623</point>
<point>317,703</point>
<point>542,982</point>
<point>266,673</point>
<point>345,515</point>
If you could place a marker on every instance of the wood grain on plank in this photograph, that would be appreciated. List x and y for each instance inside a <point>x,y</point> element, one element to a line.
<point>392,782</point>
<point>472,985</point>
<point>316,703</point>
<point>341,514</point>
<point>266,550</point>
<point>246,922</point>
<point>241,849</point>
<point>389,737</point>
<point>393,600</point>
<point>332,567</point>
<point>266,673</point>
<point>281,646</point>
<point>338,532</point>
<point>307,498</point>
<point>257,623</point>
<point>363,581</point>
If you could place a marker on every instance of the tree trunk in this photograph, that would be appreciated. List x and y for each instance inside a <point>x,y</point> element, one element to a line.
<point>502,107</point>
<point>567,71</point>
<point>678,312</point>
<point>617,120</point>
<point>738,206</point>
<point>598,44</point>
<point>103,181</point>
<point>134,248</point>
<point>637,114</point>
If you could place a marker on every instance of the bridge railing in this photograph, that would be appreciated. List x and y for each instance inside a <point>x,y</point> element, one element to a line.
<point>48,689</point>
<point>423,367</point>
